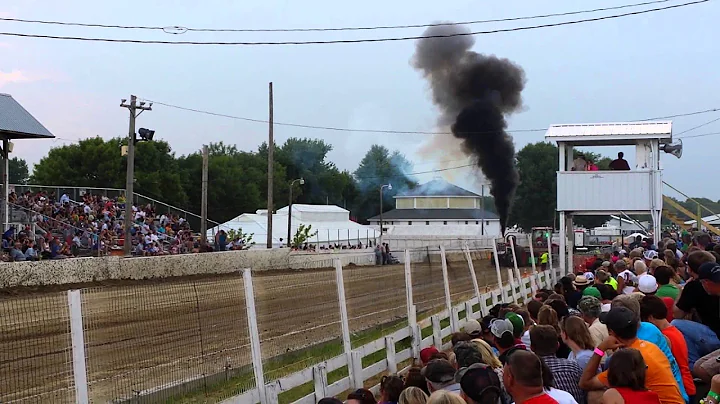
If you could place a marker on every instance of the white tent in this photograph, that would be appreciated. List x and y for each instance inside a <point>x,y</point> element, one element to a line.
<point>331,224</point>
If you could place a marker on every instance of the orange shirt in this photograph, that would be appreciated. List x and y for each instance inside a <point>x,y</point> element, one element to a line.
<point>659,377</point>
<point>679,349</point>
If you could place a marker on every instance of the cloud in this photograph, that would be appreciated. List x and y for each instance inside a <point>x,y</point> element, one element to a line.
<point>20,76</point>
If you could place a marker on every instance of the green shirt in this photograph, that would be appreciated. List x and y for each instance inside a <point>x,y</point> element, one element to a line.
<point>668,290</point>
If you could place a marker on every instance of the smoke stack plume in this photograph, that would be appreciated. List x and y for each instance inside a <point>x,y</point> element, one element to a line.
<point>474,93</point>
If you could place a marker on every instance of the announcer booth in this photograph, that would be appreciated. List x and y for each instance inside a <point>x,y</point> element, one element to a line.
<point>595,192</point>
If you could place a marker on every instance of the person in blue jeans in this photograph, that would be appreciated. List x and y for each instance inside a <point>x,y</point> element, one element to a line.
<point>701,336</point>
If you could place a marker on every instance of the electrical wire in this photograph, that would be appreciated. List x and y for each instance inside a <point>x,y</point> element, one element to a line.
<point>699,126</point>
<point>349,41</point>
<point>176,29</point>
<point>701,135</point>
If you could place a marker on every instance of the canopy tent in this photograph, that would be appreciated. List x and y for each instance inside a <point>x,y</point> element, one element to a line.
<point>15,123</point>
<point>330,225</point>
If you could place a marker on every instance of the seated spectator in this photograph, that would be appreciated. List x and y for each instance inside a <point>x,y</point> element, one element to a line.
<point>523,379</point>
<point>30,253</point>
<point>648,332</point>
<point>503,339</point>
<point>664,276</point>
<point>16,253</point>
<point>654,311</point>
<point>412,395</point>
<point>414,378</point>
<point>627,380</point>
<point>576,335</point>
<point>445,397</point>
<point>590,309</point>
<point>566,373</point>
<point>440,375</point>
<point>695,303</point>
<point>361,396</point>
<point>390,389</point>
<point>479,384</point>
<point>623,326</point>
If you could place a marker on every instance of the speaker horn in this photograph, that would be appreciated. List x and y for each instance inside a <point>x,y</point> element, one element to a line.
<point>674,149</point>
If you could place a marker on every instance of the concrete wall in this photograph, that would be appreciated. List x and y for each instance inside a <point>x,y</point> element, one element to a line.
<point>82,270</point>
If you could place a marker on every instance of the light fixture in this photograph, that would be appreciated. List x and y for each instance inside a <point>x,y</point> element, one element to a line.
<point>146,134</point>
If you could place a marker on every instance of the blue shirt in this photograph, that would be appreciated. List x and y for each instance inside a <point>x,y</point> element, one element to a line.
<point>648,332</point>
<point>582,358</point>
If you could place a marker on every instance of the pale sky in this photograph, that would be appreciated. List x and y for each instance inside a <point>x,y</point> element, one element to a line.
<point>636,67</point>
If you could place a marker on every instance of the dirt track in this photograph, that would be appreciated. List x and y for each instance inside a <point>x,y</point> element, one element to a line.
<point>142,336</point>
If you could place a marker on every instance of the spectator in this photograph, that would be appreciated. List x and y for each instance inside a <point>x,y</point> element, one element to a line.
<point>566,373</point>
<point>695,303</point>
<point>527,323</point>
<point>16,253</point>
<point>361,396</point>
<point>533,307</point>
<point>620,164</point>
<point>30,253</point>
<point>647,284</point>
<point>479,384</point>
<point>414,378</point>
<point>607,294</point>
<point>561,396</point>
<point>502,331</point>
<point>523,379</point>
<point>488,358</point>
<point>548,316</point>
<point>623,326</point>
<point>626,278</point>
<point>654,311</point>
<point>576,335</point>
<point>412,395</point>
<point>445,397</point>
<point>466,354</point>
<point>604,277</point>
<point>426,354</point>
<point>518,328</point>
<point>390,389</point>
<point>590,309</point>
<point>440,375</point>
<point>627,379</point>
<point>709,276</point>
<point>329,400</point>
<point>650,333</point>
<point>473,328</point>
<point>663,276</point>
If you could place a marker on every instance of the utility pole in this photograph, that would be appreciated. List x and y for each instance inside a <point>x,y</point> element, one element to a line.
<point>203,209</point>
<point>133,107</point>
<point>482,207</point>
<point>271,148</point>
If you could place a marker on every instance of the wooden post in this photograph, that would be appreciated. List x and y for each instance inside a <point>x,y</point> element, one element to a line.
<point>77,339</point>
<point>390,354</point>
<point>411,309</point>
<point>523,289</point>
<point>473,276</point>
<point>497,271</point>
<point>437,336</point>
<point>552,276</point>
<point>255,351</point>
<point>535,278</point>
<point>446,284</point>
<point>320,381</point>
<point>271,148</point>
<point>204,201</point>
<point>345,324</point>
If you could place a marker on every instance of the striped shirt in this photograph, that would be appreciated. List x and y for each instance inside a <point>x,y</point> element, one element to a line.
<point>566,375</point>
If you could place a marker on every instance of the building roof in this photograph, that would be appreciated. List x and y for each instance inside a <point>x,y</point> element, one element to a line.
<point>436,214</point>
<point>298,207</point>
<point>437,187</point>
<point>612,133</point>
<point>17,123</point>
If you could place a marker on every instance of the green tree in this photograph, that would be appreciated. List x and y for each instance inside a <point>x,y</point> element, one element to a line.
<point>18,172</point>
<point>302,235</point>
<point>377,168</point>
<point>247,239</point>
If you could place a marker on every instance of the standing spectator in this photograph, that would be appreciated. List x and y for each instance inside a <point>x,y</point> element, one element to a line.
<point>412,395</point>
<point>523,379</point>
<point>647,284</point>
<point>361,396</point>
<point>502,331</point>
<point>548,316</point>
<point>623,326</point>
<point>566,373</point>
<point>654,311</point>
<point>620,164</point>
<point>627,380</point>
<point>694,302</point>
<point>390,389</point>
<point>479,384</point>
<point>664,275</point>
<point>576,335</point>
<point>440,375</point>
<point>445,397</point>
<point>709,276</point>
<point>378,255</point>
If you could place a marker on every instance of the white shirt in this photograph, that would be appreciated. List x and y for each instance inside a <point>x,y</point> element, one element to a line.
<point>561,396</point>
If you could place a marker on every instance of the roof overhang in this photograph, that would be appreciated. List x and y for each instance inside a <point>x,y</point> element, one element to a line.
<point>17,123</point>
<point>610,134</point>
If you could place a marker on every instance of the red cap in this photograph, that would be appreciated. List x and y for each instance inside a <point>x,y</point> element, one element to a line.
<point>426,353</point>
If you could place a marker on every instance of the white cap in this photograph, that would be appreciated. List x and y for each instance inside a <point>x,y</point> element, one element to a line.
<point>650,255</point>
<point>647,284</point>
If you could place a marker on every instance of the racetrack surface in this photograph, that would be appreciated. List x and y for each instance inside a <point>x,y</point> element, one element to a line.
<point>144,335</point>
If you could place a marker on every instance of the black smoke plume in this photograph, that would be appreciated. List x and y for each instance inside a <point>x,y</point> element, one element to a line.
<point>474,93</point>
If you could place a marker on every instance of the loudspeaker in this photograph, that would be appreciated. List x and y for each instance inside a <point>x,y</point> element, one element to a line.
<point>674,149</point>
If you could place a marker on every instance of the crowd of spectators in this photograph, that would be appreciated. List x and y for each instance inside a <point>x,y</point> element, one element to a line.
<point>62,228</point>
<point>638,327</point>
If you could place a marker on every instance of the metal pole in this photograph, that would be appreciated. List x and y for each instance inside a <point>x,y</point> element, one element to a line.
<point>130,177</point>
<point>497,271</point>
<point>289,244</point>
<point>271,147</point>
<point>482,207</point>
<point>203,209</point>
<point>381,214</point>
<point>5,182</point>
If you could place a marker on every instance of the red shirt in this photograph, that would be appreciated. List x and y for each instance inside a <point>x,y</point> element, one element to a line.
<point>638,397</point>
<point>679,349</point>
<point>541,399</point>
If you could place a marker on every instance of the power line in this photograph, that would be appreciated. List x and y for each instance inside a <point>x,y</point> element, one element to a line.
<point>348,41</point>
<point>699,126</point>
<point>701,135</point>
<point>176,29</point>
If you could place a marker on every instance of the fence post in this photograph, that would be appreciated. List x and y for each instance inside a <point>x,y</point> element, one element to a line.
<point>320,380</point>
<point>271,392</point>
<point>390,354</point>
<point>497,271</point>
<point>356,376</point>
<point>78,347</point>
<point>454,319</point>
<point>411,310</point>
<point>535,278</point>
<point>523,289</point>
<point>437,337</point>
<point>446,284</point>
<point>469,314</point>
<point>473,276</point>
<point>553,275</point>
<point>344,322</point>
<point>255,350</point>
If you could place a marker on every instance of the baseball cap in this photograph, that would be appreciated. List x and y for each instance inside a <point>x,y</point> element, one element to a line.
<point>709,271</point>
<point>592,291</point>
<point>647,284</point>
<point>517,322</point>
<point>478,379</point>
<point>439,371</point>
<point>590,276</point>
<point>606,264</point>
<point>618,318</point>
<point>426,353</point>
<point>500,326</point>
<point>650,255</point>
<point>472,327</point>
<point>603,275</point>
<point>590,303</point>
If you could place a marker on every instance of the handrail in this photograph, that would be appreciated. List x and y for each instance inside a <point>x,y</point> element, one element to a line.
<point>687,212</point>
<point>692,199</point>
<point>175,208</point>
